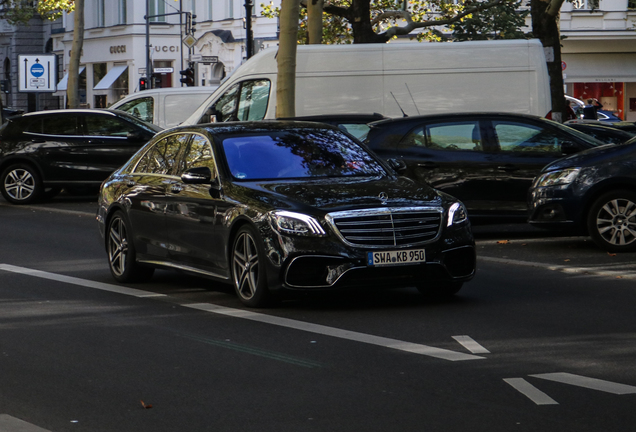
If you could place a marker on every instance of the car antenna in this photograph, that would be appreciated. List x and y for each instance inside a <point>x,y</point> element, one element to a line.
<point>411,94</point>
<point>398,104</point>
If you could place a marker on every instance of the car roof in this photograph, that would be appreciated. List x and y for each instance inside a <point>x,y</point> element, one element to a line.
<point>70,111</point>
<point>451,116</point>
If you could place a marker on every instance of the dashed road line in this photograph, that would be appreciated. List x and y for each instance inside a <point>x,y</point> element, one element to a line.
<point>530,391</point>
<point>253,316</point>
<point>471,345</point>
<point>12,424</point>
<point>590,383</point>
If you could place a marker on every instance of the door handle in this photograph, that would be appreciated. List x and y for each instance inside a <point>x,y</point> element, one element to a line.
<point>427,165</point>
<point>175,188</point>
<point>508,168</point>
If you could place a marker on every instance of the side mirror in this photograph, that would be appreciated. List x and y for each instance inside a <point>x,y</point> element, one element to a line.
<point>398,165</point>
<point>198,175</point>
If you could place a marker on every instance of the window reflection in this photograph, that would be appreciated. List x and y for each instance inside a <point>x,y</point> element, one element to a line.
<point>298,154</point>
<point>161,158</point>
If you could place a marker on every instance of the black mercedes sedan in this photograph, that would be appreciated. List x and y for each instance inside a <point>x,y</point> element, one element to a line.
<point>274,207</point>
<point>487,160</point>
<point>45,151</point>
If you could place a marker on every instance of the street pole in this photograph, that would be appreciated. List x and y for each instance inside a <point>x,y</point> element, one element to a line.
<point>181,32</point>
<point>148,71</point>
<point>249,37</point>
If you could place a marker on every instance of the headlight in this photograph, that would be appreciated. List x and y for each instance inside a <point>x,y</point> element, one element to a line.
<point>556,178</point>
<point>292,223</point>
<point>456,213</point>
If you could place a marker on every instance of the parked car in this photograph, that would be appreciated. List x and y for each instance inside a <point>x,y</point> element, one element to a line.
<point>280,206</point>
<point>164,107</point>
<point>593,192</point>
<point>45,151</point>
<point>605,132</point>
<point>487,160</point>
<point>355,124</point>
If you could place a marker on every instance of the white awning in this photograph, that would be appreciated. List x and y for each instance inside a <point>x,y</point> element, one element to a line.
<point>110,77</point>
<point>61,86</point>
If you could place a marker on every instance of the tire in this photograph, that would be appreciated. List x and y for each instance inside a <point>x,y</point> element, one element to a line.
<point>611,221</point>
<point>440,290</point>
<point>248,272</point>
<point>121,252</point>
<point>21,184</point>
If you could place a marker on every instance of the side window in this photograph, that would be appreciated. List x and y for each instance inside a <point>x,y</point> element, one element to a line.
<point>454,136</point>
<point>160,158</point>
<point>56,125</point>
<point>142,108</point>
<point>519,137</point>
<point>253,100</point>
<point>104,125</point>
<point>244,101</point>
<point>35,126</point>
<point>199,154</point>
<point>225,107</point>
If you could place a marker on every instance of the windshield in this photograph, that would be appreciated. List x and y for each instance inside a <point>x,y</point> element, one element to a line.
<point>580,135</point>
<point>298,153</point>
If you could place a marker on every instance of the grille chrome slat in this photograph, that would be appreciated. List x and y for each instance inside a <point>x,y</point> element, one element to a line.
<point>382,227</point>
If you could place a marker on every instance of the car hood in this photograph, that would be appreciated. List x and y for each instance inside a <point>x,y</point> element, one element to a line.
<point>346,193</point>
<point>594,156</point>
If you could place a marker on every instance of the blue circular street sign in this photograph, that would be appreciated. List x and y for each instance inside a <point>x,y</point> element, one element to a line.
<point>37,70</point>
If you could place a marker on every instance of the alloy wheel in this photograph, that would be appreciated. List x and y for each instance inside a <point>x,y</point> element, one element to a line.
<point>616,222</point>
<point>245,266</point>
<point>117,246</point>
<point>20,184</point>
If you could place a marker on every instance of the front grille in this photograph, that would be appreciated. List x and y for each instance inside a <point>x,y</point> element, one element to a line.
<point>387,227</point>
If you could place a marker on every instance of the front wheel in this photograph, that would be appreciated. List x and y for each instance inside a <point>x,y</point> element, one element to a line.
<point>611,221</point>
<point>21,184</point>
<point>121,252</point>
<point>248,272</point>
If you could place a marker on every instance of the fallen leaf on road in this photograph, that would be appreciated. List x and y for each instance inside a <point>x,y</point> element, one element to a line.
<point>611,254</point>
<point>145,406</point>
<point>503,241</point>
<point>566,260</point>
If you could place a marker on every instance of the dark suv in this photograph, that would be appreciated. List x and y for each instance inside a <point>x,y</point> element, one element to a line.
<point>45,151</point>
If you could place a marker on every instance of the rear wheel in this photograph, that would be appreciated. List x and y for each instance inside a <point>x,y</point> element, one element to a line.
<point>248,272</point>
<point>611,221</point>
<point>121,252</point>
<point>21,184</point>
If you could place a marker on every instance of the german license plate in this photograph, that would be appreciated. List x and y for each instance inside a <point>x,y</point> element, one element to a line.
<point>388,258</point>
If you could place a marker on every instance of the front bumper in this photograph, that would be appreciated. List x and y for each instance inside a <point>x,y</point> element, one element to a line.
<point>325,264</point>
<point>555,207</point>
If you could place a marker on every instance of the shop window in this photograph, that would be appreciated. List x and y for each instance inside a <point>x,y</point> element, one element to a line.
<point>585,4</point>
<point>631,4</point>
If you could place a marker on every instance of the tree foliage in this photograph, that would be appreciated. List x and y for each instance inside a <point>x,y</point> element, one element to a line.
<point>503,21</point>
<point>21,11</point>
<point>369,21</point>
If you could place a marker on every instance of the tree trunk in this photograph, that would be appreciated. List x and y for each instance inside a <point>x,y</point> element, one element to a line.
<point>360,21</point>
<point>72,89</point>
<point>545,26</point>
<point>286,59</point>
<point>314,21</point>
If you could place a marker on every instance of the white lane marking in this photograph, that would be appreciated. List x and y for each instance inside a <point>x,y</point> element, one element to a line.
<point>12,424</point>
<point>591,383</point>
<point>283,322</point>
<point>339,333</point>
<point>471,345</point>
<point>77,281</point>
<point>530,391</point>
<point>588,271</point>
<point>49,209</point>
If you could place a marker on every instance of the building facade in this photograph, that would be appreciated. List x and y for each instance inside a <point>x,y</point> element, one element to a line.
<point>598,58</point>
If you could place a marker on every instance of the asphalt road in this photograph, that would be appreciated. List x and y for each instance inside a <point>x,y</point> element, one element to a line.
<point>543,339</point>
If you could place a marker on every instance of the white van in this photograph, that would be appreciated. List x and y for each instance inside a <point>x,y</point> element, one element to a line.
<point>164,107</point>
<point>393,79</point>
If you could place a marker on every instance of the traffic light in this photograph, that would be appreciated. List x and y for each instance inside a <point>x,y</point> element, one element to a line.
<point>193,25</point>
<point>187,76</point>
<point>143,83</point>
